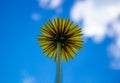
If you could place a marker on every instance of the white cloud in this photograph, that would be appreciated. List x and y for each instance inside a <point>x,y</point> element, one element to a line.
<point>96,15</point>
<point>36,16</point>
<point>51,4</point>
<point>55,3</point>
<point>115,47</point>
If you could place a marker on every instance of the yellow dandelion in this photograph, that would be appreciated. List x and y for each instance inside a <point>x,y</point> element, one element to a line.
<point>61,39</point>
<point>64,32</point>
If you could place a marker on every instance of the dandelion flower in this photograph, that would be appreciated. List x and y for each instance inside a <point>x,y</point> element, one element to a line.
<point>60,40</point>
<point>63,32</point>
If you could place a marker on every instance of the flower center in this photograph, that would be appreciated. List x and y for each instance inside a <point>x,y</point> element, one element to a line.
<point>60,38</point>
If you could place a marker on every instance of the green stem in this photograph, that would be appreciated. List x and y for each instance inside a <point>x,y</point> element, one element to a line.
<point>59,63</point>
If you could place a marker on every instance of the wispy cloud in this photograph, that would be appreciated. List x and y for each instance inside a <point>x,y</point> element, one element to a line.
<point>29,80</point>
<point>97,14</point>
<point>26,78</point>
<point>50,4</point>
<point>115,57</point>
<point>36,16</point>
<point>114,48</point>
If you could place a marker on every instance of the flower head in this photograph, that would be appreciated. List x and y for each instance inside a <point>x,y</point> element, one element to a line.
<point>64,32</point>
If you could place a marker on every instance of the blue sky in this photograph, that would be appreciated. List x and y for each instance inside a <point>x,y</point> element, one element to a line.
<point>21,61</point>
